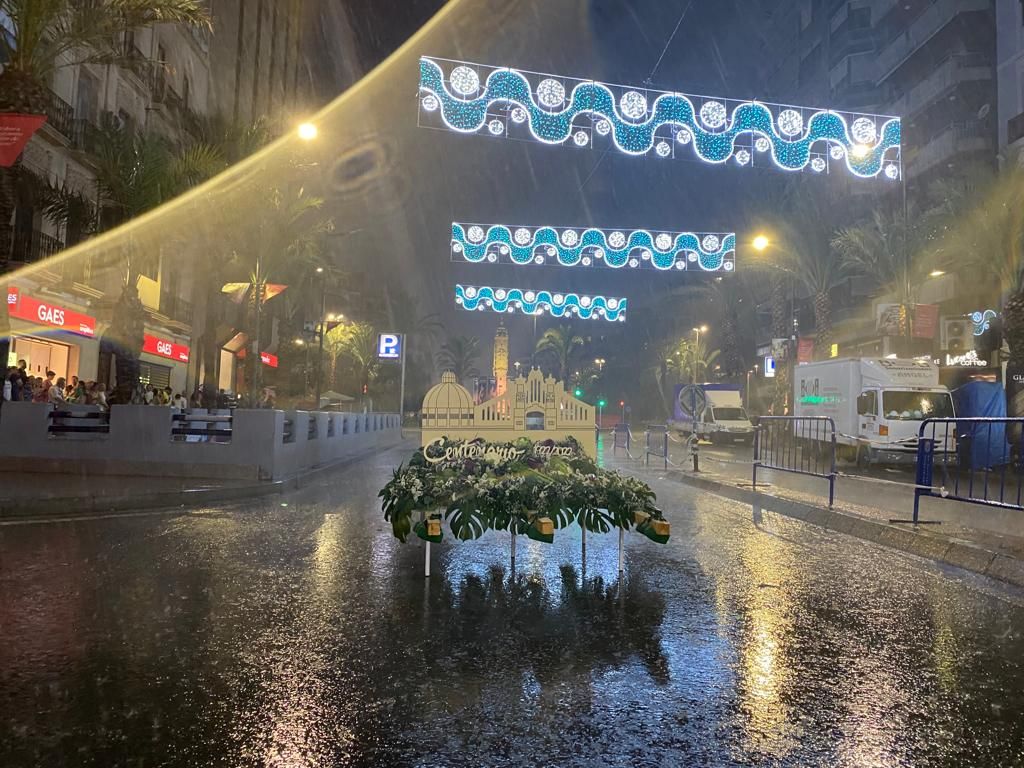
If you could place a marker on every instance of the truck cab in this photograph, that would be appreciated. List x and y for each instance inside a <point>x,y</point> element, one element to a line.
<point>889,419</point>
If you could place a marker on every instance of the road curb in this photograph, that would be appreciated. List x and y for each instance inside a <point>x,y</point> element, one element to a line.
<point>926,543</point>
<point>83,506</point>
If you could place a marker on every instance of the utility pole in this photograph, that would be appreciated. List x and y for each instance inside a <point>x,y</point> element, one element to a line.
<point>401,390</point>
<point>322,329</point>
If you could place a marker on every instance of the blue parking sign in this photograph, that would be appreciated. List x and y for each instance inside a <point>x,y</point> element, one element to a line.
<point>389,346</point>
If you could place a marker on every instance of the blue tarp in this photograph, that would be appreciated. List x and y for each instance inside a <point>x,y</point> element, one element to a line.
<point>988,446</point>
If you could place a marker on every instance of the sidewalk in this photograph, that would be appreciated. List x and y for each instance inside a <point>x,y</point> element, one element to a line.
<point>45,495</point>
<point>997,555</point>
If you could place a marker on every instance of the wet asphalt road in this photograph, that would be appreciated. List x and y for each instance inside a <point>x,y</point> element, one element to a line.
<point>304,635</point>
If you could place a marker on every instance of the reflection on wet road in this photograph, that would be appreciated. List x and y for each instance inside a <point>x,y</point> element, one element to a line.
<point>304,635</point>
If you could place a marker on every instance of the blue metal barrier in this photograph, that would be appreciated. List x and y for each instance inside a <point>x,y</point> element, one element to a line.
<point>977,460</point>
<point>804,445</point>
<point>661,438</point>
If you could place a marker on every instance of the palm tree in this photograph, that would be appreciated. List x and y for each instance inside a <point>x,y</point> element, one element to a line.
<point>360,346</point>
<point>562,347</point>
<point>136,173</point>
<point>459,355</point>
<point>892,251</point>
<point>692,359</point>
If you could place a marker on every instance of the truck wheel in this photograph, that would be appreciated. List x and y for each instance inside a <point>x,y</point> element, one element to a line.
<point>864,458</point>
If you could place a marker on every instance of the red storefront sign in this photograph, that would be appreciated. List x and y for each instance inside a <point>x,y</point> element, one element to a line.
<point>15,131</point>
<point>33,310</point>
<point>265,357</point>
<point>164,348</point>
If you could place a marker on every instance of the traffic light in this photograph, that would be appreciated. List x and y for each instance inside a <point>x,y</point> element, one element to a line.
<point>578,392</point>
<point>622,403</point>
<point>602,403</point>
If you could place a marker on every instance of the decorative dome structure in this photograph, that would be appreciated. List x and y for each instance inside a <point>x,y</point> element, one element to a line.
<point>534,406</point>
<point>447,404</point>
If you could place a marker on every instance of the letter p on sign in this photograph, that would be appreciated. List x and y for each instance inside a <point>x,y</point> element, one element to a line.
<point>389,346</point>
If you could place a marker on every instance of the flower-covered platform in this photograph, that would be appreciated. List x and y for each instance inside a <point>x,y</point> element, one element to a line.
<point>523,487</point>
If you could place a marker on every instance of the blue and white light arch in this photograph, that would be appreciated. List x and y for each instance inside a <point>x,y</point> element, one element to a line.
<point>590,247</point>
<point>529,302</point>
<point>502,102</point>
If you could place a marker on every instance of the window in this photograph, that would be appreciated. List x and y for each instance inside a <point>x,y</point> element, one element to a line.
<point>87,98</point>
<point>914,406</point>
<point>866,404</point>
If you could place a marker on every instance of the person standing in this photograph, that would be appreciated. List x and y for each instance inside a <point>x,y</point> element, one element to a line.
<point>55,393</point>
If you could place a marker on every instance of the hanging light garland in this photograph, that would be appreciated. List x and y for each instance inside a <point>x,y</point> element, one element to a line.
<point>614,248</point>
<point>472,98</point>
<point>486,298</point>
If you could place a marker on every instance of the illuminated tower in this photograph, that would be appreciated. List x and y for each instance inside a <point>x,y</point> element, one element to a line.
<point>501,360</point>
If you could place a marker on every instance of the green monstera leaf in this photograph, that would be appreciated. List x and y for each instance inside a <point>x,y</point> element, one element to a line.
<point>466,522</point>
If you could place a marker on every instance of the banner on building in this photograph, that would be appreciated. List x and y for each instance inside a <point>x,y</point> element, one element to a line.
<point>805,351</point>
<point>33,310</point>
<point>926,321</point>
<point>15,131</point>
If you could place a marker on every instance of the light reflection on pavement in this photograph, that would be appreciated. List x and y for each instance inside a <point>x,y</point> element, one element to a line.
<point>270,635</point>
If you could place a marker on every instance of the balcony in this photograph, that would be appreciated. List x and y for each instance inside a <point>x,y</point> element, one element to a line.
<point>922,29</point>
<point>958,138</point>
<point>30,247</point>
<point>176,308</point>
<point>59,114</point>
<point>84,135</point>
<point>957,69</point>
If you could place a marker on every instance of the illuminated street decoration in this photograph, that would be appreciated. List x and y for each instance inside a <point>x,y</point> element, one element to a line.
<point>982,320</point>
<point>615,248</point>
<point>539,302</point>
<point>555,110</point>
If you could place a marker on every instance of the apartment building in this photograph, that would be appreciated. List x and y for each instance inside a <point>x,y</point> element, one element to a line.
<point>930,62</point>
<point>1010,71</point>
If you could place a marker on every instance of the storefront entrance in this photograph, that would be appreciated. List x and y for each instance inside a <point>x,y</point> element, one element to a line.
<point>43,355</point>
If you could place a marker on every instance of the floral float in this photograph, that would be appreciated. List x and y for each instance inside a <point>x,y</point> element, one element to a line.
<point>522,487</point>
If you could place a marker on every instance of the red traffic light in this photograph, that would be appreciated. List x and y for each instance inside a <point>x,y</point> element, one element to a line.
<point>622,403</point>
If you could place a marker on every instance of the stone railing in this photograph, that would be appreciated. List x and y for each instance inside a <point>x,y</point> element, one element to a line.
<point>154,440</point>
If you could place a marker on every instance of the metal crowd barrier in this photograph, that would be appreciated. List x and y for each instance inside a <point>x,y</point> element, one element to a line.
<point>198,426</point>
<point>83,420</point>
<point>621,437</point>
<point>804,445</point>
<point>661,438</point>
<point>979,460</point>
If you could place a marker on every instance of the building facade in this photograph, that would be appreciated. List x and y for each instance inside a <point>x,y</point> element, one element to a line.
<point>252,67</point>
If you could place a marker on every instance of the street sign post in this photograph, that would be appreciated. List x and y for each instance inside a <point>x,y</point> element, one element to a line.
<point>391,346</point>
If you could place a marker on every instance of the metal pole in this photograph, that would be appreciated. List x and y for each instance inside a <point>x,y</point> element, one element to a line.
<point>622,567</point>
<point>401,390</point>
<point>665,446</point>
<point>257,357</point>
<point>426,562</point>
<point>320,351</point>
<point>583,530</point>
<point>513,530</point>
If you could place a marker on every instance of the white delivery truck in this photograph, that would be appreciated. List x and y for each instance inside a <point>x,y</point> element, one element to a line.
<point>877,404</point>
<point>723,420</point>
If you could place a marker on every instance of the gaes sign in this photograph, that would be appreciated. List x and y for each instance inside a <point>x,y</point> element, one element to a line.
<point>25,307</point>
<point>389,346</point>
<point>154,345</point>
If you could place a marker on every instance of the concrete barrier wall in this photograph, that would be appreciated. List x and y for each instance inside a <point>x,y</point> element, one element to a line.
<point>140,442</point>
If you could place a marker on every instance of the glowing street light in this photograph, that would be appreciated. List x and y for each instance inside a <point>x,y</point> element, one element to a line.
<point>308,131</point>
<point>760,243</point>
<point>599,362</point>
<point>936,273</point>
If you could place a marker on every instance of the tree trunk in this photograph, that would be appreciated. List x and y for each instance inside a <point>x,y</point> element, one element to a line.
<point>780,330</point>
<point>732,358</point>
<point>823,326</point>
<point>124,338</point>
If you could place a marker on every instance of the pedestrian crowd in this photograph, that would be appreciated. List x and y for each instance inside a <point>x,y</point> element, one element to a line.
<point>20,385</point>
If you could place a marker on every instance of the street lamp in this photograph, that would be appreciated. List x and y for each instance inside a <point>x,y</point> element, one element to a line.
<point>696,349</point>
<point>760,243</point>
<point>599,362</point>
<point>308,131</point>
